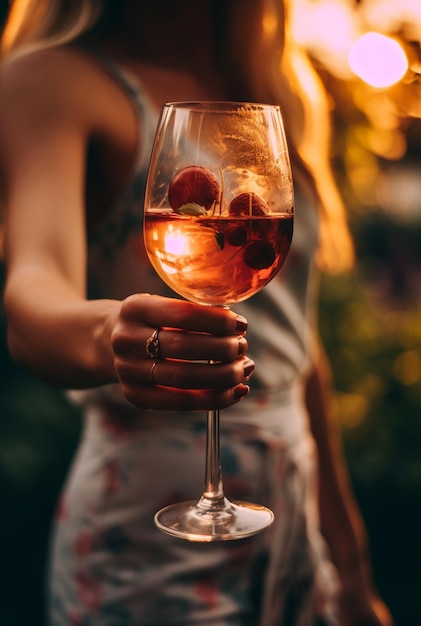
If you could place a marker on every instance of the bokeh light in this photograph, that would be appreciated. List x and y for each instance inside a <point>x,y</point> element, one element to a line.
<point>378,60</point>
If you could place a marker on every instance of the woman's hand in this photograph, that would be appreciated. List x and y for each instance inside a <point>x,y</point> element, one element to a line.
<point>181,376</point>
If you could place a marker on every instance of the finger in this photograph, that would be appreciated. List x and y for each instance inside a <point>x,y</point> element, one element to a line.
<point>158,311</point>
<point>169,399</point>
<point>175,344</point>
<point>200,346</point>
<point>184,374</point>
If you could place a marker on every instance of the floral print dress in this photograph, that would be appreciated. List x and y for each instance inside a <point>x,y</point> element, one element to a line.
<point>110,565</point>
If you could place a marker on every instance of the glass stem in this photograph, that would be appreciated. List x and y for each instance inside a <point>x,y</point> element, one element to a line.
<point>213,491</point>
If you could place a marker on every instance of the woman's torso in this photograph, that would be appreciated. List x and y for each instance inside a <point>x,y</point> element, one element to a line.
<point>267,452</point>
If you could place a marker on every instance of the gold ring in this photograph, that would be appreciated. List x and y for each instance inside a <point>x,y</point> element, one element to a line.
<point>152,345</point>
<point>154,364</point>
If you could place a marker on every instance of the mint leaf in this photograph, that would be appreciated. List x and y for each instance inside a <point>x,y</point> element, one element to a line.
<point>191,208</point>
<point>220,239</point>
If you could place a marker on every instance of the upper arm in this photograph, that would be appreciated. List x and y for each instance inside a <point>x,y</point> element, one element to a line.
<point>43,137</point>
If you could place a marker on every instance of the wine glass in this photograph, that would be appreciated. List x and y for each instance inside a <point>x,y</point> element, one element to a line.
<point>217,227</point>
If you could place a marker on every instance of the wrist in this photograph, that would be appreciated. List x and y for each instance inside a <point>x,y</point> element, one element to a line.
<point>102,365</point>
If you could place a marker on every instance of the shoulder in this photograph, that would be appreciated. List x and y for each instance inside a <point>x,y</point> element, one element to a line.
<point>43,64</point>
<point>40,77</point>
<point>65,84</point>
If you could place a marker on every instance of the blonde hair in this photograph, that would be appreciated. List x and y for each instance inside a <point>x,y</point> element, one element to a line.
<point>37,24</point>
<point>271,68</point>
<point>278,71</point>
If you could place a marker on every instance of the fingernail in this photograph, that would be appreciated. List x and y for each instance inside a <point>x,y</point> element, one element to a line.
<point>240,391</point>
<point>242,345</point>
<point>241,324</point>
<point>248,368</point>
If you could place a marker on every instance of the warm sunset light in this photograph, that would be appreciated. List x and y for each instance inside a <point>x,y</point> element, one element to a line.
<point>327,29</point>
<point>177,243</point>
<point>378,60</point>
<point>176,246</point>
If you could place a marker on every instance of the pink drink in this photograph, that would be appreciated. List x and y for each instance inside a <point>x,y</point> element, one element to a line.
<point>217,260</point>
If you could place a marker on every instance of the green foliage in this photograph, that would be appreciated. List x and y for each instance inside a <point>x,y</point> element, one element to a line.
<point>373,341</point>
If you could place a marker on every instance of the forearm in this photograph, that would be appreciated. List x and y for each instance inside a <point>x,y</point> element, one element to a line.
<point>57,334</point>
<point>66,340</point>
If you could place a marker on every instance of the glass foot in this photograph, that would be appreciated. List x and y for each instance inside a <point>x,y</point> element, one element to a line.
<point>209,521</point>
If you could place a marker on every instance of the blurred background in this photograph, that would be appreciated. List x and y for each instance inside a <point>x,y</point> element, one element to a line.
<point>368,53</point>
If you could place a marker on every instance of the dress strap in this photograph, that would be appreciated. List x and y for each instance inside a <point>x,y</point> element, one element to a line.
<point>120,74</point>
<point>147,113</point>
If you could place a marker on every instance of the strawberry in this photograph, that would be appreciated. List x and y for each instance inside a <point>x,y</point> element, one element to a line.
<point>248,204</point>
<point>193,184</point>
<point>259,254</point>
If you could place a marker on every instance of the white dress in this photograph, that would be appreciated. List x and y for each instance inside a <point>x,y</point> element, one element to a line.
<point>110,566</point>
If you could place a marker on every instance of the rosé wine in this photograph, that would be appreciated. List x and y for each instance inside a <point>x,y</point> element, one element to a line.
<point>217,260</point>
